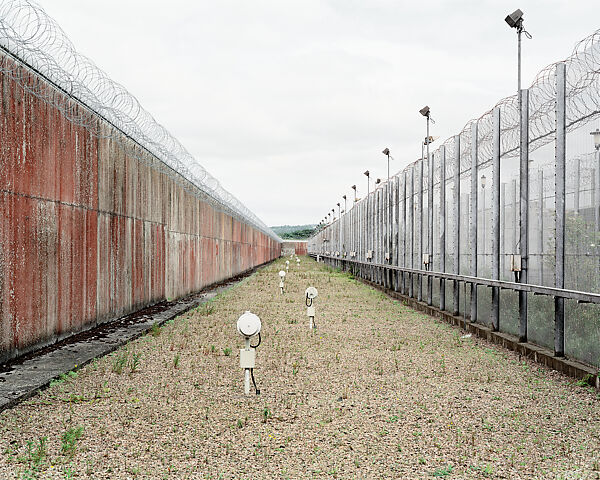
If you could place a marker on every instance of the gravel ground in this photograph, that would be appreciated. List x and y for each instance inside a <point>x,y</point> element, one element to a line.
<point>377,391</point>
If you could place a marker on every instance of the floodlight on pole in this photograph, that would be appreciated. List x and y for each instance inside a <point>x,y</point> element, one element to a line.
<point>515,20</point>
<point>339,211</point>
<point>345,205</point>
<point>386,151</point>
<point>353,187</point>
<point>367,174</point>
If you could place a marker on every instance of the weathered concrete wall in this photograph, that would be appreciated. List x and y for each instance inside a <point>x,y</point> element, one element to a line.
<point>89,233</point>
<point>299,247</point>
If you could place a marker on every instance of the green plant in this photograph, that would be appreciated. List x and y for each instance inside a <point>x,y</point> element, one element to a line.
<point>207,309</point>
<point>135,361</point>
<point>120,361</point>
<point>443,472</point>
<point>266,414</point>
<point>155,330</point>
<point>69,440</point>
<point>227,351</point>
<point>176,360</point>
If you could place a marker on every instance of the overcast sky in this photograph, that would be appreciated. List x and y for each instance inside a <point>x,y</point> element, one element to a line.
<point>288,102</point>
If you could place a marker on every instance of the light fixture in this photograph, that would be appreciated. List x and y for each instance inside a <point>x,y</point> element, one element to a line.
<point>515,19</point>
<point>386,151</point>
<point>596,136</point>
<point>424,111</point>
<point>367,173</point>
<point>483,181</point>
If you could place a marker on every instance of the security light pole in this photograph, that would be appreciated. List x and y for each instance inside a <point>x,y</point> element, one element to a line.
<point>368,183</point>
<point>345,205</point>
<point>426,112</point>
<point>353,187</point>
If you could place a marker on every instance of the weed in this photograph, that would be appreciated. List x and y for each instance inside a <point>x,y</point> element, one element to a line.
<point>155,330</point>
<point>135,361</point>
<point>295,368</point>
<point>585,381</point>
<point>393,419</point>
<point>421,461</point>
<point>120,361</point>
<point>176,360</point>
<point>69,440</point>
<point>443,472</point>
<point>227,351</point>
<point>266,414</point>
<point>207,309</point>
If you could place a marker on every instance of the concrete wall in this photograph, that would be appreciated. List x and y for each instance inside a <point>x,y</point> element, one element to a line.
<point>298,247</point>
<point>89,233</point>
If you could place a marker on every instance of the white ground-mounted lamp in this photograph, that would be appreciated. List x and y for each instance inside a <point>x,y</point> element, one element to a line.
<point>248,326</point>
<point>311,294</point>
<point>281,280</point>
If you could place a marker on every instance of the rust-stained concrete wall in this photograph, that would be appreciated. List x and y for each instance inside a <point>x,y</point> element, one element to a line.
<point>89,233</point>
<point>298,247</point>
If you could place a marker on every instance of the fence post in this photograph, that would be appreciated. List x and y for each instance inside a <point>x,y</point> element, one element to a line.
<point>541,224</point>
<point>455,283</point>
<point>404,223</point>
<point>473,229</point>
<point>420,217</point>
<point>495,312</point>
<point>560,166</point>
<point>411,290</point>
<point>524,210</point>
<point>430,226</point>
<point>442,266</point>
<point>503,229</point>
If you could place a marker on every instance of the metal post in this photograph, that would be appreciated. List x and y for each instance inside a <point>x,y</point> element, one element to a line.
<point>576,186</point>
<point>597,192</point>
<point>524,217</point>
<point>503,229</point>
<point>495,311</point>
<point>541,224</point>
<point>442,266</point>
<point>473,232</point>
<point>560,187</point>
<point>430,221</point>
<point>420,217</point>
<point>455,284</point>
<point>515,244</point>
<point>411,224</point>
<point>404,224</point>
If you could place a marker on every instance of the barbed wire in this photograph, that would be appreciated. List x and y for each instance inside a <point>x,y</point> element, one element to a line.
<point>35,41</point>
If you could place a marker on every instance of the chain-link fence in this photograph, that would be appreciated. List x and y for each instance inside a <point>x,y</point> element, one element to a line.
<point>510,236</point>
<point>29,36</point>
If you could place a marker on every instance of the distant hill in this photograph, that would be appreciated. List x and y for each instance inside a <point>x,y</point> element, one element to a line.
<point>299,232</point>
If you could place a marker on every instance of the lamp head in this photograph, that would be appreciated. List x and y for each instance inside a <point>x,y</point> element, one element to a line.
<point>248,324</point>
<point>353,187</point>
<point>386,151</point>
<point>312,293</point>
<point>344,197</point>
<point>424,111</point>
<point>596,136</point>
<point>515,19</point>
<point>367,173</point>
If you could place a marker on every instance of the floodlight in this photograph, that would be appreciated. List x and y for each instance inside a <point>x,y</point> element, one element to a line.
<point>596,136</point>
<point>248,324</point>
<point>344,197</point>
<point>424,111</point>
<point>378,181</point>
<point>367,173</point>
<point>515,19</point>
<point>386,151</point>
<point>353,187</point>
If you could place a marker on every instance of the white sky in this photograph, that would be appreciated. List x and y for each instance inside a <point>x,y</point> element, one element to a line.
<point>288,102</point>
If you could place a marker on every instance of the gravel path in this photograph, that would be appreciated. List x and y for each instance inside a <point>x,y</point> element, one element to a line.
<point>378,391</point>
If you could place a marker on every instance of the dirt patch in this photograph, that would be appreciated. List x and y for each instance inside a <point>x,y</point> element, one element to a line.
<point>378,391</point>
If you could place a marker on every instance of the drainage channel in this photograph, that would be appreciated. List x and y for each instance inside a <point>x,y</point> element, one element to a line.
<point>25,376</point>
